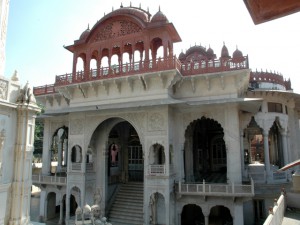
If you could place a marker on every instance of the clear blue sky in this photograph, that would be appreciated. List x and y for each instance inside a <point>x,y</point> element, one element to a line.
<point>38,29</point>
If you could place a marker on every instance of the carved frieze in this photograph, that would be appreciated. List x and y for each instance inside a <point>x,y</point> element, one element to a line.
<point>116,29</point>
<point>3,89</point>
<point>76,127</point>
<point>137,120</point>
<point>155,122</point>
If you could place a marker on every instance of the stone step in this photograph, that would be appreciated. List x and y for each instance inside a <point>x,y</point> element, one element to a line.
<point>125,220</point>
<point>125,197</point>
<point>123,213</point>
<point>127,208</point>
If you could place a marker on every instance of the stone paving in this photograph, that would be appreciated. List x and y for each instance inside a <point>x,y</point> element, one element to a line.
<point>291,217</point>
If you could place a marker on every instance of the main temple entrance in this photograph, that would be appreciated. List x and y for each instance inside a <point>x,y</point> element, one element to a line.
<point>125,161</point>
<point>205,152</point>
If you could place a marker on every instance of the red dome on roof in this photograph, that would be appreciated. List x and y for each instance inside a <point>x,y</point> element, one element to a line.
<point>159,17</point>
<point>210,51</point>
<point>224,52</point>
<point>85,34</point>
<point>237,54</point>
<point>181,56</point>
<point>134,11</point>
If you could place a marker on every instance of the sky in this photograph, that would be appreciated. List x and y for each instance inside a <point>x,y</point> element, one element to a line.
<point>38,30</point>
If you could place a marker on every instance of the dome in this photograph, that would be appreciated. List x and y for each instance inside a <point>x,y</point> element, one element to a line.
<point>133,11</point>
<point>85,34</point>
<point>86,208</point>
<point>181,56</point>
<point>224,52</point>
<point>210,51</point>
<point>159,17</point>
<point>237,54</point>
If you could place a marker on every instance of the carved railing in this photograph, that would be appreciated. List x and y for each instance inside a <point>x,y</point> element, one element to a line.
<point>45,179</point>
<point>214,189</point>
<point>161,64</point>
<point>42,90</point>
<point>127,69</point>
<point>155,170</point>
<point>89,167</point>
<point>76,166</point>
<point>213,66</point>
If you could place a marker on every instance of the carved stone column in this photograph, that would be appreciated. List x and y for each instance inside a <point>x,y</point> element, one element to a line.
<point>266,153</point>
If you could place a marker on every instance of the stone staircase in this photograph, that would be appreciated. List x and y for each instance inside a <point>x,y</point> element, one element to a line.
<point>128,205</point>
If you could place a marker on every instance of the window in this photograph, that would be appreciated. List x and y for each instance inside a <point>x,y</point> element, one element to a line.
<point>274,107</point>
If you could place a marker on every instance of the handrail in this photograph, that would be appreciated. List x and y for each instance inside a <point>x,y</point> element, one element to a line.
<point>157,169</point>
<point>276,212</point>
<point>215,189</point>
<point>46,179</point>
<point>147,66</point>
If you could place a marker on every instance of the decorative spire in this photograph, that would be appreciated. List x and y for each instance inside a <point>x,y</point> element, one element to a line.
<point>15,76</point>
<point>112,9</point>
<point>121,5</point>
<point>130,4</point>
<point>140,6</point>
<point>159,8</point>
<point>88,26</point>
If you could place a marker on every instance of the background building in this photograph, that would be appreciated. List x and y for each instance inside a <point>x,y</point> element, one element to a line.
<point>156,139</point>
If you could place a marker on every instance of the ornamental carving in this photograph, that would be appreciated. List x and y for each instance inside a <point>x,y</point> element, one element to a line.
<point>137,120</point>
<point>117,29</point>
<point>155,122</point>
<point>3,89</point>
<point>76,127</point>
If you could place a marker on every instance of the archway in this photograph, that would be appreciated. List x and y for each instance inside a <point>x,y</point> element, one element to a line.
<point>157,208</point>
<point>125,153</point>
<point>51,205</point>
<point>253,145</point>
<point>118,141</point>
<point>192,215</point>
<point>205,152</point>
<point>275,145</point>
<point>220,215</point>
<point>59,151</point>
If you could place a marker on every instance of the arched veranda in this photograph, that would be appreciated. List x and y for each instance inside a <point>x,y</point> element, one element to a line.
<point>205,152</point>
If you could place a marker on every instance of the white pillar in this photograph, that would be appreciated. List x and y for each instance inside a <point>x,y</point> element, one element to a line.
<point>67,206</point>
<point>206,220</point>
<point>266,153</point>
<point>65,147</point>
<point>284,147</point>
<point>60,212</point>
<point>46,148</point>
<point>238,217</point>
<point>42,205</point>
<point>182,170</point>
<point>167,205</point>
<point>59,157</point>
<point>242,152</point>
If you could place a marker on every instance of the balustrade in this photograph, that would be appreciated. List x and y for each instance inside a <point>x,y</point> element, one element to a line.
<point>45,179</point>
<point>161,64</point>
<point>157,170</point>
<point>207,189</point>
